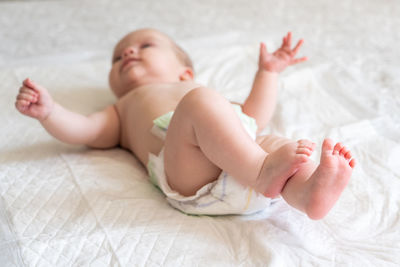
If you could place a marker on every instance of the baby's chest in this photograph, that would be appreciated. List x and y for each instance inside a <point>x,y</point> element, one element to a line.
<point>142,112</point>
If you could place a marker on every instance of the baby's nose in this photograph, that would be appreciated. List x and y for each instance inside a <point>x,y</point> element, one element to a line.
<point>129,51</point>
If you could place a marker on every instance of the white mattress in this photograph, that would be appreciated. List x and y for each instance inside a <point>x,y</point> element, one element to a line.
<point>64,205</point>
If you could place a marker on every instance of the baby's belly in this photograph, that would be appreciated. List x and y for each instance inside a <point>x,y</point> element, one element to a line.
<point>150,144</point>
<point>137,136</point>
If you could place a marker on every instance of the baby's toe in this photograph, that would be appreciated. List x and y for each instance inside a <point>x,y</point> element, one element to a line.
<point>352,163</point>
<point>337,148</point>
<point>347,155</point>
<point>343,151</point>
<point>304,143</point>
<point>327,146</point>
<point>304,150</point>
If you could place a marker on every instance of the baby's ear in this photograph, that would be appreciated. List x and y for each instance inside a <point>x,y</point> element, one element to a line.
<point>186,75</point>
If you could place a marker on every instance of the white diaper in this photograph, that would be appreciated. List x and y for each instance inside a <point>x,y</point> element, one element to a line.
<point>223,196</point>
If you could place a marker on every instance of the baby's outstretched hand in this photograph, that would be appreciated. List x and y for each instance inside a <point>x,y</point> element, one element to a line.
<point>281,58</point>
<point>34,101</point>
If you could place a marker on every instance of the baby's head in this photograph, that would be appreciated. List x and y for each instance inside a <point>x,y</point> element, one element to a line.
<point>147,56</point>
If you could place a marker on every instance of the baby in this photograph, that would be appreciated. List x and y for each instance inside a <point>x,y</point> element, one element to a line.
<point>200,150</point>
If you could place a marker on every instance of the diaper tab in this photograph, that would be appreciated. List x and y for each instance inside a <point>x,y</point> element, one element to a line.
<point>161,124</point>
<point>163,121</point>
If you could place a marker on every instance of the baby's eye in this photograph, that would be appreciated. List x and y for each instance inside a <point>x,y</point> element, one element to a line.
<point>146,45</point>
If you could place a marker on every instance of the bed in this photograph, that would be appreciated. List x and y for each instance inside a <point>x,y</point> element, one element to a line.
<point>63,205</point>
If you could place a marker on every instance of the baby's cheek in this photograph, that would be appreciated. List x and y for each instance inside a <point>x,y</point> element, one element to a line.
<point>113,75</point>
<point>112,79</point>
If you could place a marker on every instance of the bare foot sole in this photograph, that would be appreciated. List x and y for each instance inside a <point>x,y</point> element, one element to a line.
<point>329,179</point>
<point>280,165</point>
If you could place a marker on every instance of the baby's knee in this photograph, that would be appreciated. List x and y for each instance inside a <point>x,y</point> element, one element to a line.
<point>201,98</point>
<point>199,94</point>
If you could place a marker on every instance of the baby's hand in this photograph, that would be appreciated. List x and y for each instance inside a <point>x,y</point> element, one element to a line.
<point>34,101</point>
<point>281,58</point>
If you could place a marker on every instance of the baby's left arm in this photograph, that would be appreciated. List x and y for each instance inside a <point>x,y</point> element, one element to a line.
<point>260,104</point>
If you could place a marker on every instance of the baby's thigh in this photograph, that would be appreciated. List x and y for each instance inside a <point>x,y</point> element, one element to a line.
<point>186,167</point>
<point>270,143</point>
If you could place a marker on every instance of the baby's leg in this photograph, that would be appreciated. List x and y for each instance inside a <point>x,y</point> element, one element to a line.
<point>271,143</point>
<point>315,189</point>
<point>205,136</point>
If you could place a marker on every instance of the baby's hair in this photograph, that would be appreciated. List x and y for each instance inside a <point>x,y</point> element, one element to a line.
<point>182,55</point>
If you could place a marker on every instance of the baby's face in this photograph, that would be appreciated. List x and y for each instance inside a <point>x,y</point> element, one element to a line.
<point>143,57</point>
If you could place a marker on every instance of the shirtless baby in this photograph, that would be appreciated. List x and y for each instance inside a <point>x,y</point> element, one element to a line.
<point>151,76</point>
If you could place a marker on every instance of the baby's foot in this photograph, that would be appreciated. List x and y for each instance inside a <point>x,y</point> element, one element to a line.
<point>329,179</point>
<point>280,165</point>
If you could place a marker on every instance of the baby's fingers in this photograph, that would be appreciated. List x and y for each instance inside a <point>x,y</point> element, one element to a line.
<point>289,39</point>
<point>263,50</point>
<point>298,60</point>
<point>22,105</point>
<point>28,83</point>
<point>34,86</point>
<point>297,47</point>
<point>27,94</point>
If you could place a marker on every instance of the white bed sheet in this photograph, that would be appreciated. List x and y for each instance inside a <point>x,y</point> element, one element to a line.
<point>63,205</point>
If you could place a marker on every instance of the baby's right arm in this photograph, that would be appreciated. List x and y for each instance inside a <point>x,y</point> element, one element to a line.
<point>100,129</point>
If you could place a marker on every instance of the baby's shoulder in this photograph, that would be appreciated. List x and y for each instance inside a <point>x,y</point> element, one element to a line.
<point>157,90</point>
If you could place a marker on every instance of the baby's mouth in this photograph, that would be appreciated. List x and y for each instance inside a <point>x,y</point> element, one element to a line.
<point>128,63</point>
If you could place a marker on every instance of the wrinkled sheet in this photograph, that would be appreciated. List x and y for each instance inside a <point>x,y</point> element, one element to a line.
<point>64,205</point>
